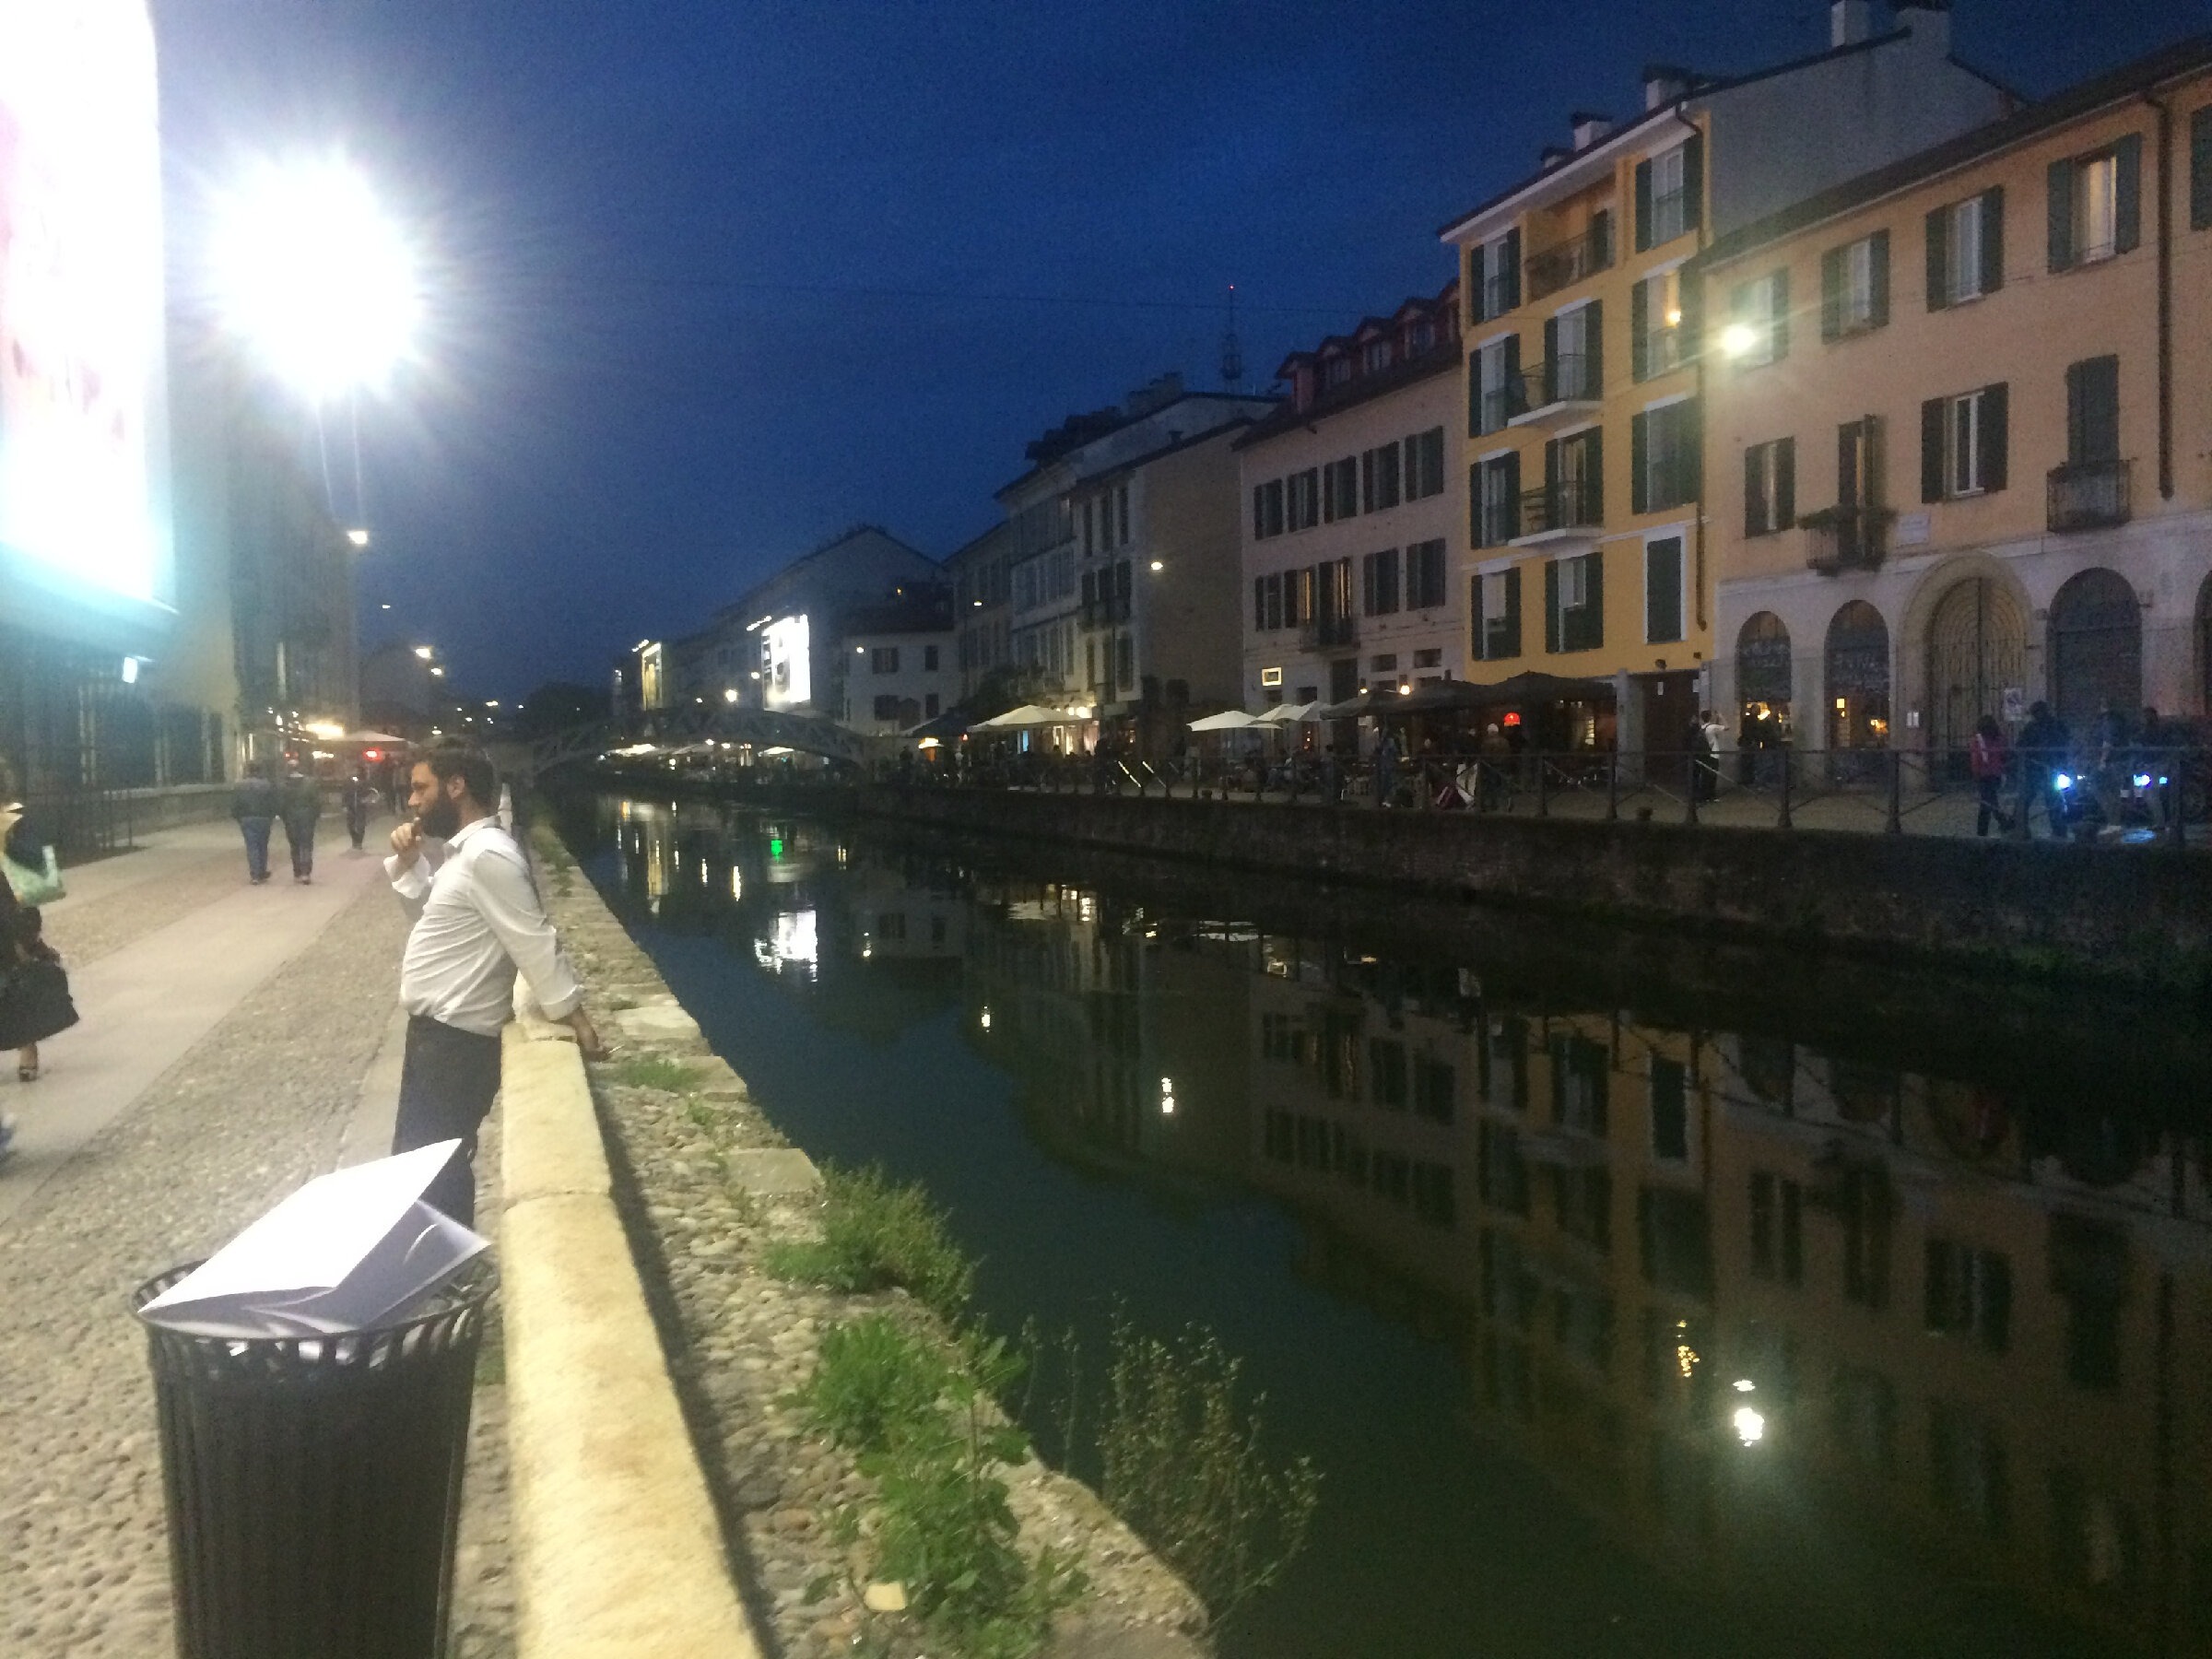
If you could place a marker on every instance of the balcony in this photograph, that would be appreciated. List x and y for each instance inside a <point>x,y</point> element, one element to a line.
<point>1563,390</point>
<point>2088,495</point>
<point>1846,539</point>
<point>1568,262</point>
<point>1569,508</point>
<point>1329,633</point>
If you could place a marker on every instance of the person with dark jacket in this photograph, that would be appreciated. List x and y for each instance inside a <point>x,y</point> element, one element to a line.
<point>300,802</point>
<point>2045,743</point>
<point>359,797</point>
<point>253,805</point>
<point>34,990</point>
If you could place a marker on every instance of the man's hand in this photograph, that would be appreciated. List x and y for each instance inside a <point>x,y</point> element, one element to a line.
<point>407,842</point>
<point>587,1035</point>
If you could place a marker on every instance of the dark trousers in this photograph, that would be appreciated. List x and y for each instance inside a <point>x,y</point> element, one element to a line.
<point>1989,788</point>
<point>256,831</point>
<point>446,1083</point>
<point>300,833</point>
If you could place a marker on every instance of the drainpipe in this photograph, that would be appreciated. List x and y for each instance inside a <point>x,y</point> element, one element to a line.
<point>1704,231</point>
<point>2165,296</point>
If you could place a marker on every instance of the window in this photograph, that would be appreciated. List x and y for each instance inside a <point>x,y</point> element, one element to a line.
<point>2200,169</point>
<point>1966,249</point>
<point>2093,411</point>
<point>1854,287</point>
<point>886,707</point>
<point>1435,1090</point>
<point>1574,478</point>
<point>1336,371</point>
<point>1266,509</point>
<point>1494,501</point>
<point>1663,602</point>
<point>1378,478</point>
<point>1386,1068</point>
<point>1434,657</point>
<point>1495,385</point>
<point>1665,469</point>
<point>1379,583</point>
<point>1659,327</point>
<point>1963,444</point>
<point>931,706</point>
<point>1759,321</point>
<point>1494,277</point>
<point>1573,366</point>
<point>2096,205</point>
<point>929,659</point>
<point>1670,1098</point>
<point>1770,487</point>
<point>1304,499</point>
<point>1385,663</point>
<point>1425,464</point>
<point>1966,1466</point>
<point>1670,190</point>
<point>1970,1294</point>
<point>1377,358</point>
<point>1424,574</point>
<point>1574,603</point>
<point>1340,488</point>
<point>885,659</point>
<point>1496,603</point>
<point>1777,1228</point>
<point>1121,514</point>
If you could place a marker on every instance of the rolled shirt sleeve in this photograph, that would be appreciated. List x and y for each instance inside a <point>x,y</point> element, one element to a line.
<point>412,883</point>
<point>510,907</point>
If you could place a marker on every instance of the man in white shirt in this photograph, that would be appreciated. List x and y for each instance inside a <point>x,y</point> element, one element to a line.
<point>478,920</point>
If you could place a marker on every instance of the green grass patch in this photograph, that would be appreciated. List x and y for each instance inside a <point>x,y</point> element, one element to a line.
<point>654,1071</point>
<point>875,1384</point>
<point>877,1233</point>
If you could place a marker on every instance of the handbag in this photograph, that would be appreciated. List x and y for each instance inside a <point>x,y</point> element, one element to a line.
<point>34,887</point>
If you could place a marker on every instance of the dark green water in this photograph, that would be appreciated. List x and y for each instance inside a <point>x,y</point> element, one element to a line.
<point>1631,1298</point>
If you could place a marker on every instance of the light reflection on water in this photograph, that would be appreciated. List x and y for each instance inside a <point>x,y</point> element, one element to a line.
<point>1610,1335</point>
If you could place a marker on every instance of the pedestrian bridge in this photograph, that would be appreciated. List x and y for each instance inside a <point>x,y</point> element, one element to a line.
<point>673,728</point>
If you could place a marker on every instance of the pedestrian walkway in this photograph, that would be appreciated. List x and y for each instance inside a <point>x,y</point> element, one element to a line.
<point>235,1041</point>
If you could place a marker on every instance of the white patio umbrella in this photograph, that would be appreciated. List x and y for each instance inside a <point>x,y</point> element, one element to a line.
<point>1293,713</point>
<point>1029,714</point>
<point>1229,719</point>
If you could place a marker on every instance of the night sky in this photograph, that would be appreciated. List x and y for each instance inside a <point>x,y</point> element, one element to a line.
<point>715,280</point>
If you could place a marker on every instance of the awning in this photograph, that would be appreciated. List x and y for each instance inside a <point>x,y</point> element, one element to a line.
<point>1229,719</point>
<point>1291,713</point>
<point>1536,687</point>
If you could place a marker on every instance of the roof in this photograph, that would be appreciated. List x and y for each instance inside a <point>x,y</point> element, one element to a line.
<point>2119,85</point>
<point>1363,388</point>
<point>1128,420</point>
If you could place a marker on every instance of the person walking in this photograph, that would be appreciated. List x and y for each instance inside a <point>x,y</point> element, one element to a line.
<point>1386,768</point>
<point>1706,743</point>
<point>301,803</point>
<point>253,805</point>
<point>477,921</point>
<point>1985,758</point>
<point>360,797</point>
<point>2043,744</point>
<point>34,988</point>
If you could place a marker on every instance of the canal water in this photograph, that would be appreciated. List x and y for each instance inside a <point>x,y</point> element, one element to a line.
<point>1632,1297</point>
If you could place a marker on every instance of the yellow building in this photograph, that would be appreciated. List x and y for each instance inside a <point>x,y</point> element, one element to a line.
<point>1962,454</point>
<point>1589,544</point>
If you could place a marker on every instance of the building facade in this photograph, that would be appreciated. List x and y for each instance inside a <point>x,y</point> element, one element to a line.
<point>1961,429</point>
<point>1356,457</point>
<point>901,666</point>
<point>1589,555</point>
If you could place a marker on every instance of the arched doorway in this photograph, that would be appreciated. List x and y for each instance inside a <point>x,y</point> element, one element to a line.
<point>1858,679</point>
<point>1763,691</point>
<point>2096,648</point>
<point>1977,649</point>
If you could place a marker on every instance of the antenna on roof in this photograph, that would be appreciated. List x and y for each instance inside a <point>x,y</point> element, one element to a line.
<point>1232,354</point>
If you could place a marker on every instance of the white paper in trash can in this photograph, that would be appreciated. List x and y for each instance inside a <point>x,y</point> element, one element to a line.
<point>343,1253</point>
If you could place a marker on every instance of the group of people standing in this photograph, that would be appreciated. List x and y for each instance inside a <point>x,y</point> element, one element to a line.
<point>266,796</point>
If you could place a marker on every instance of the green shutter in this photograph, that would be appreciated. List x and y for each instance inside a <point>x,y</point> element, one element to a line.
<point>1931,449</point>
<point>1693,182</point>
<point>1552,359</point>
<point>1594,349</point>
<point>1259,604</point>
<point>1781,319</point>
<point>1643,205</point>
<point>1514,403</point>
<point>1477,287</point>
<point>1513,270</point>
<point>1475,505</point>
<point>1992,239</point>
<point>1551,606</point>
<point>1785,484</point>
<point>1662,591</point>
<point>2061,215</point>
<point>1640,328</point>
<point>1880,262</point>
<point>1594,614</point>
<point>1511,645</point>
<point>1939,258</point>
<point>1639,453</point>
<point>1831,293</point>
<point>1995,440</point>
<point>2128,207</point>
<point>1474,393</point>
<point>1594,440</point>
<point>1475,613</point>
<point>1755,505</point>
<point>2200,169</point>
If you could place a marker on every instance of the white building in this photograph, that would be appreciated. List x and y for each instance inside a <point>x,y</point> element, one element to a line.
<point>1352,514</point>
<point>901,665</point>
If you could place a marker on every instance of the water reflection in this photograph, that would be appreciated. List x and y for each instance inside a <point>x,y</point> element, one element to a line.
<point>1918,1361</point>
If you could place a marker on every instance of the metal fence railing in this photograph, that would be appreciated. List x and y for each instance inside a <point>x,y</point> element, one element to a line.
<point>82,823</point>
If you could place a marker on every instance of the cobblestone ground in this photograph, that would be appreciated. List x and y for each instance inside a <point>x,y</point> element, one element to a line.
<point>256,1108</point>
<point>83,931</point>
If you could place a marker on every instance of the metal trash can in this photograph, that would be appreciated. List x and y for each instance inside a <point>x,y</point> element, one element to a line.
<point>313,1484</point>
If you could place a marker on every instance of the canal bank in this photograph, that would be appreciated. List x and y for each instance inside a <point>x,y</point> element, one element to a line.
<point>2139,916</point>
<point>1502,1244</point>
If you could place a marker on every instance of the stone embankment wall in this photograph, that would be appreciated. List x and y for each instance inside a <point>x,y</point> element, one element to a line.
<point>2140,914</point>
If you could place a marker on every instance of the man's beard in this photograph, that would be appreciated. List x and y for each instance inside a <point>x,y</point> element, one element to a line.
<point>442,819</point>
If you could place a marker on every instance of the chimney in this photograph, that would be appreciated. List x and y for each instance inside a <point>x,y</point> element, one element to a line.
<point>1588,128</point>
<point>1928,22</point>
<point>1551,157</point>
<point>1662,84</point>
<point>1849,22</point>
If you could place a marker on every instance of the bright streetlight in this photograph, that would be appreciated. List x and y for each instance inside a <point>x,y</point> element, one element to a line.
<point>423,652</point>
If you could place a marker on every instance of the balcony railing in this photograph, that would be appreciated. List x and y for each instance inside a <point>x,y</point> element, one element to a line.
<point>1572,377</point>
<point>2090,495</point>
<point>1568,262</point>
<point>1327,633</point>
<point>1571,504</point>
<point>1846,539</point>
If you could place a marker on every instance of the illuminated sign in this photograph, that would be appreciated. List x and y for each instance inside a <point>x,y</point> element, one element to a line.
<point>1271,677</point>
<point>83,430</point>
<point>787,670</point>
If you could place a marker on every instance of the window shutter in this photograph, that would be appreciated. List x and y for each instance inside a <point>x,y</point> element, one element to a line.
<point>1474,635</point>
<point>1367,584</point>
<point>1880,265</point>
<point>1512,385</point>
<point>1601,237</point>
<point>1831,293</point>
<point>1643,205</point>
<point>1259,521</point>
<point>1594,613</point>
<point>1259,604</point>
<point>1551,473</point>
<point>2076,413</point>
<point>1510,645</point>
<point>1640,454</point>
<point>1693,182</point>
<point>1552,359</point>
<point>2093,409</point>
<point>1994,440</point>
<point>1785,484</point>
<point>1478,289</point>
<point>2061,215</point>
<point>1939,259</point>
<point>1639,327</point>
<point>1552,604</point>
<point>1475,506</point>
<point>1367,480</point>
<point>1755,502</point>
<point>2127,215</point>
<point>1594,349</point>
<point>1847,464</point>
<point>1781,322</point>
<point>1512,495</point>
<point>1474,393</point>
<point>1689,450</point>
<point>1594,440</point>
<point>1662,591</point>
<point>1931,447</point>
<point>1513,270</point>
<point>1993,239</point>
<point>2200,169</point>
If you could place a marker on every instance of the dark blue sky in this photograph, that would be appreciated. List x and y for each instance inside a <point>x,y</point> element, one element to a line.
<point>717,279</point>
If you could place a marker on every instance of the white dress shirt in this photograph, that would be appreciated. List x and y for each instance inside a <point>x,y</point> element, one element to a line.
<point>478,919</point>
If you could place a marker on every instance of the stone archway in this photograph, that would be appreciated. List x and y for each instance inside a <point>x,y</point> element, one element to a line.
<point>1977,650</point>
<point>2096,648</point>
<point>1856,685</point>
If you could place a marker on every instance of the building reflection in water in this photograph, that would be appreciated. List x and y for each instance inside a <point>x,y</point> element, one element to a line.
<point>1759,1310</point>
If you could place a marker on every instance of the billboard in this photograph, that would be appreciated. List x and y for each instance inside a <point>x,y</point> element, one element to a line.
<point>786,666</point>
<point>84,509</point>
